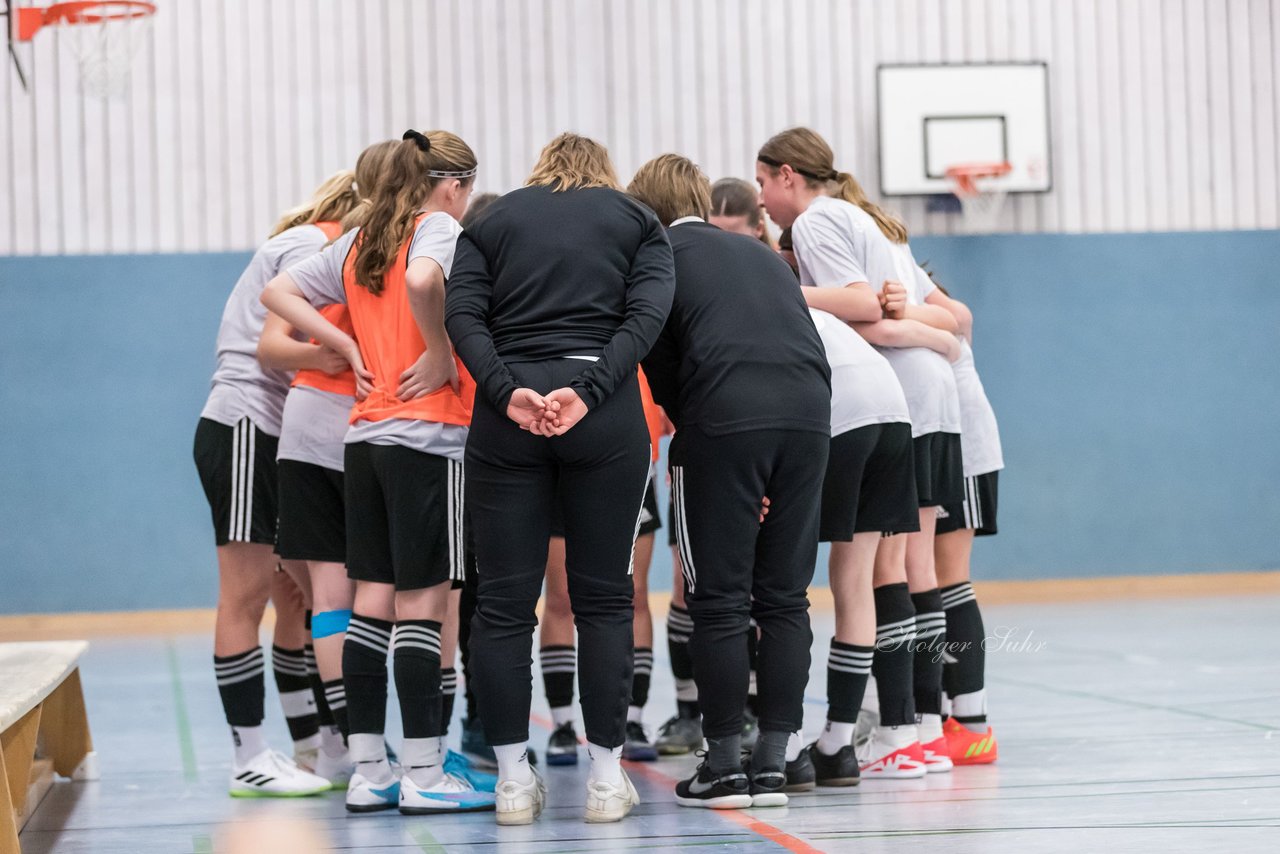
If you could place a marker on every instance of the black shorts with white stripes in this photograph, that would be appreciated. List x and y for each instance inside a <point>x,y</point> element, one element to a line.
<point>404,516</point>
<point>313,522</point>
<point>939,468</point>
<point>237,467</point>
<point>978,509</point>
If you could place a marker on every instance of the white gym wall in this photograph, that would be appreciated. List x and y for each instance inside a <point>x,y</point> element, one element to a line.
<point>1163,112</point>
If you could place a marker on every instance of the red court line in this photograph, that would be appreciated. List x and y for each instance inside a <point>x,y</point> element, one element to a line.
<point>760,828</point>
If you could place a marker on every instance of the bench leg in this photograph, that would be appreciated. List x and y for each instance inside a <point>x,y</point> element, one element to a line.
<point>65,728</point>
<point>18,746</point>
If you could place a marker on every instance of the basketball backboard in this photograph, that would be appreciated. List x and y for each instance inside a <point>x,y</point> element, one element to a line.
<point>934,117</point>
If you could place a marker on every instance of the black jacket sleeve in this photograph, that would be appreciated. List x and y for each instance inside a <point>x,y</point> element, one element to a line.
<point>466,310</point>
<point>662,366</point>
<point>651,282</point>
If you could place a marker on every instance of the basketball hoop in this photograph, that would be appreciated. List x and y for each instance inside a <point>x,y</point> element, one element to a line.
<point>981,195</point>
<point>105,35</point>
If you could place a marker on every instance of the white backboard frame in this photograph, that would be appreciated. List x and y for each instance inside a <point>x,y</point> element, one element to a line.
<point>936,115</point>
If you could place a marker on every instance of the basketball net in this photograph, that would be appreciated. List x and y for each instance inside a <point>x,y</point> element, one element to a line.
<point>104,36</point>
<point>980,192</point>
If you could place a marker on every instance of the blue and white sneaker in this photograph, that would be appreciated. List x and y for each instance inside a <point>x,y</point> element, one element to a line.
<point>451,794</point>
<point>459,766</point>
<point>363,795</point>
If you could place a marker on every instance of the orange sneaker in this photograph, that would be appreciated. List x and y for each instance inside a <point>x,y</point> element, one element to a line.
<point>967,747</point>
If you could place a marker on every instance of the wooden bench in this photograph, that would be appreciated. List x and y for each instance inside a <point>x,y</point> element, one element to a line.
<point>43,728</point>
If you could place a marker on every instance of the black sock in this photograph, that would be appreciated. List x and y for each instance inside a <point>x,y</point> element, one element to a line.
<point>335,696</point>
<point>892,662</point>
<point>679,629</point>
<point>965,635</point>
<point>724,755</point>
<point>323,713</point>
<point>931,634</point>
<point>364,674</point>
<point>448,692</point>
<point>241,686</point>
<point>417,665</point>
<point>848,667</point>
<point>641,676</point>
<point>294,686</point>
<point>559,664</point>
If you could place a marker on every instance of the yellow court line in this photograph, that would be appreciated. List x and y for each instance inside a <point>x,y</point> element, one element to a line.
<point>1056,590</point>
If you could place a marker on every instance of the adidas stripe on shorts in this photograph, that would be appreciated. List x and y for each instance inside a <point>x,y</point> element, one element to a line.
<point>237,466</point>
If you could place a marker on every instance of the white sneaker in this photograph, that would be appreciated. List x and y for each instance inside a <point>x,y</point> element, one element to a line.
<point>451,794</point>
<point>608,802</point>
<point>336,769</point>
<point>892,753</point>
<point>937,759</point>
<point>273,775</point>
<point>363,795</point>
<point>520,803</point>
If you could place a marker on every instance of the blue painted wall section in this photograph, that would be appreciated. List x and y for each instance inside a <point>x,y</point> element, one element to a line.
<point>1136,379</point>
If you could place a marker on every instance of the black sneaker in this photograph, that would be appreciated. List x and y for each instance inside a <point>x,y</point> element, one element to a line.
<point>562,747</point>
<point>838,770</point>
<point>679,735</point>
<point>637,747</point>
<point>800,773</point>
<point>750,730</point>
<point>704,789</point>
<point>768,788</point>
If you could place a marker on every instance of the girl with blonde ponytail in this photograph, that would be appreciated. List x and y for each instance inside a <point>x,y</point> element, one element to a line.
<point>235,454</point>
<point>894,456</point>
<point>311,530</point>
<point>405,541</point>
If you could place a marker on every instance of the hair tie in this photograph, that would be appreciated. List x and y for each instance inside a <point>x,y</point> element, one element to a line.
<point>419,139</point>
<point>835,176</point>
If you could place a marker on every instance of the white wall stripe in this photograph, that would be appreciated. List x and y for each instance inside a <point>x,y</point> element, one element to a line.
<point>1163,112</point>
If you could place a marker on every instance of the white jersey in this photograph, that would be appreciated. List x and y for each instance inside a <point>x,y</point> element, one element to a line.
<point>241,386</point>
<point>321,282</point>
<point>925,374</point>
<point>832,251</point>
<point>314,426</point>
<point>979,435</point>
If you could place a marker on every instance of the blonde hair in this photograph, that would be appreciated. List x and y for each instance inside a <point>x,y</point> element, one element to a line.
<point>415,166</point>
<point>672,186</point>
<point>331,201</point>
<point>809,156</point>
<point>573,162</point>
<point>369,166</point>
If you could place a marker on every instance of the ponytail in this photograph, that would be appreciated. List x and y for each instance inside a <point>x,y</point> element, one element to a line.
<point>848,188</point>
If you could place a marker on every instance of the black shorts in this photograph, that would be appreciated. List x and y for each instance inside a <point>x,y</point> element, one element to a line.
<point>237,467</point>
<point>939,469</point>
<point>978,509</point>
<point>870,483</point>
<point>650,520</point>
<point>313,522</point>
<point>404,516</point>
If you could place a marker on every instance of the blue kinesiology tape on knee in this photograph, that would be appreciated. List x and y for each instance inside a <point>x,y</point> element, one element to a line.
<point>328,623</point>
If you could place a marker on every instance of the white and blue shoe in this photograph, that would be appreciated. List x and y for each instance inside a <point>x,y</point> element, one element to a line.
<point>363,795</point>
<point>451,794</point>
<point>460,766</point>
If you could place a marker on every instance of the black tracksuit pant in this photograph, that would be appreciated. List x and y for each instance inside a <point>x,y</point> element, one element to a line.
<point>737,568</point>
<point>599,470</point>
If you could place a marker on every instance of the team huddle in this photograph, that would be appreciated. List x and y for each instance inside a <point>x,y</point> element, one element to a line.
<point>430,410</point>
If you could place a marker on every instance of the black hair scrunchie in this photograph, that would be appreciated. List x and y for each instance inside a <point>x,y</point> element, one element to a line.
<point>419,139</point>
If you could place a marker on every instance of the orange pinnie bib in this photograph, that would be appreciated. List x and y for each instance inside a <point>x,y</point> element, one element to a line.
<point>390,342</point>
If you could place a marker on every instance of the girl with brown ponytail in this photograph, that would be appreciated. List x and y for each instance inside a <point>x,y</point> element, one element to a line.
<point>402,461</point>
<point>851,254</point>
